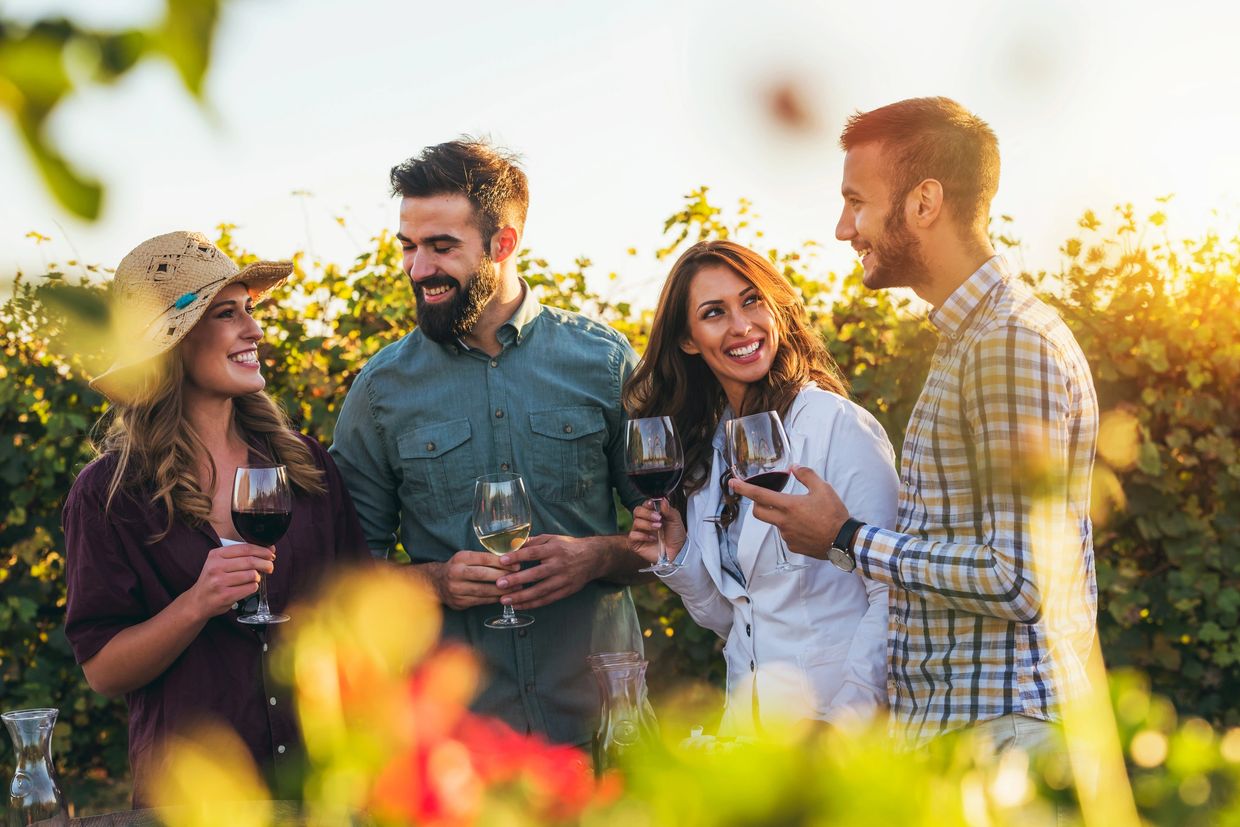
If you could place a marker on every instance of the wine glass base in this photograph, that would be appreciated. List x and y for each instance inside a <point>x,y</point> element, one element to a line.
<point>514,622</point>
<point>263,619</point>
<point>664,569</point>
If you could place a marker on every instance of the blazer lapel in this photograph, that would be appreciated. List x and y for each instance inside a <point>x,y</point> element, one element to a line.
<point>702,505</point>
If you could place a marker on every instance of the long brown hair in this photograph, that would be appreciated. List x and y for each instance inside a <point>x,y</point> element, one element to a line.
<point>670,382</point>
<point>157,451</point>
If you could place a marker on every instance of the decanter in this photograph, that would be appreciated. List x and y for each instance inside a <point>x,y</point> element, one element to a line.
<point>33,794</point>
<point>626,717</point>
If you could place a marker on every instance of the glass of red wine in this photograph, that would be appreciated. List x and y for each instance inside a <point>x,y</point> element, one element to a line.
<point>761,456</point>
<point>654,462</point>
<point>262,507</point>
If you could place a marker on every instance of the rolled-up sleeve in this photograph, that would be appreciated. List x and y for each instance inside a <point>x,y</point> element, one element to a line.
<point>104,591</point>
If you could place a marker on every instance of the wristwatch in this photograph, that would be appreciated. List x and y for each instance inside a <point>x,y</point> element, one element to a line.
<point>841,552</point>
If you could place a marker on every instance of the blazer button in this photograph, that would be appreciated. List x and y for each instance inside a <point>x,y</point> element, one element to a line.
<point>748,630</point>
<point>751,666</point>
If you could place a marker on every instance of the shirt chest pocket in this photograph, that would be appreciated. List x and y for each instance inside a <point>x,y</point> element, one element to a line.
<point>439,466</point>
<point>568,447</point>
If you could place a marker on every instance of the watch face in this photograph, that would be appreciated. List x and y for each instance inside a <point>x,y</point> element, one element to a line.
<point>841,559</point>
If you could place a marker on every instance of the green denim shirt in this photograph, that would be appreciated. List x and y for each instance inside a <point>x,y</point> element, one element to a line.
<point>423,419</point>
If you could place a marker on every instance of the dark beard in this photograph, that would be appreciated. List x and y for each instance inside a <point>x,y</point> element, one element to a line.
<point>900,263</point>
<point>451,320</point>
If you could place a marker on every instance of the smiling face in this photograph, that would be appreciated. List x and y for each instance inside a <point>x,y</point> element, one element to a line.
<point>220,354</point>
<point>446,260</point>
<point>732,328</point>
<point>875,225</point>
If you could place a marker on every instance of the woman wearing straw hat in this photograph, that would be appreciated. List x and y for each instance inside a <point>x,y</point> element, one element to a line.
<point>157,575</point>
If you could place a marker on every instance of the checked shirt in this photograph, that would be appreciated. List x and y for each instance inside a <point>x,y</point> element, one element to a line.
<point>993,598</point>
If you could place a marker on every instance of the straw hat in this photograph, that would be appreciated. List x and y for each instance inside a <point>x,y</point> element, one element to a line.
<point>161,290</point>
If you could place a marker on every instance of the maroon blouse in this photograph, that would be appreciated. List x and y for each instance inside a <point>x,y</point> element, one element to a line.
<point>116,580</point>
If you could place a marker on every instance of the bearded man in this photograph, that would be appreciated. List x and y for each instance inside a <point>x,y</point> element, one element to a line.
<point>491,381</point>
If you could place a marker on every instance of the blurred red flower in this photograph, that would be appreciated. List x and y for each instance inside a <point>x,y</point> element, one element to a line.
<point>453,759</point>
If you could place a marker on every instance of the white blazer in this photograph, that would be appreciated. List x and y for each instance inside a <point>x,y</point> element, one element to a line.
<point>812,642</point>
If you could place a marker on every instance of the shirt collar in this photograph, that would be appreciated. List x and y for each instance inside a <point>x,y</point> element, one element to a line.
<point>518,327</point>
<point>951,317</point>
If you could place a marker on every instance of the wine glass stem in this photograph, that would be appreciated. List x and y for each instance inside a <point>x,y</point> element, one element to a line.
<point>783,549</point>
<point>263,607</point>
<point>509,612</point>
<point>663,561</point>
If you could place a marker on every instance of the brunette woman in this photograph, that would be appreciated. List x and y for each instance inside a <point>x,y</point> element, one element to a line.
<point>157,574</point>
<point>731,338</point>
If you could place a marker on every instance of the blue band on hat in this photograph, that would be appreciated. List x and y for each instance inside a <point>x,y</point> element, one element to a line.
<point>185,301</point>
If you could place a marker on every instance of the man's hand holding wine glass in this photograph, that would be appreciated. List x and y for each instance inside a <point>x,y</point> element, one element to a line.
<point>808,522</point>
<point>468,578</point>
<point>564,566</point>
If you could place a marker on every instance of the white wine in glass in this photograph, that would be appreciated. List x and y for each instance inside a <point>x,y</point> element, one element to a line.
<point>502,523</point>
<point>505,540</point>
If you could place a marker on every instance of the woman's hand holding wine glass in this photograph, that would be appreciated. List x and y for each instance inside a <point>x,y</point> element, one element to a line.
<point>654,463</point>
<point>229,576</point>
<point>647,523</point>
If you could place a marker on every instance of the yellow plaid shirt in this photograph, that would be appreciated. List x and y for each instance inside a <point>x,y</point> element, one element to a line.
<point>993,598</point>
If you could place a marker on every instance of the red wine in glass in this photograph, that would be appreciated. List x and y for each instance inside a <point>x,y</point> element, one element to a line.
<point>656,483</point>
<point>262,508</point>
<point>654,462</point>
<point>262,528</point>
<point>760,453</point>
<point>770,480</point>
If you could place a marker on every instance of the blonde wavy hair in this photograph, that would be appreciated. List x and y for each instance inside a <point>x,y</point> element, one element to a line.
<point>157,451</point>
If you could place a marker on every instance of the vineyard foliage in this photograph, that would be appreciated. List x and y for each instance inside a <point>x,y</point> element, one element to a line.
<point>1158,319</point>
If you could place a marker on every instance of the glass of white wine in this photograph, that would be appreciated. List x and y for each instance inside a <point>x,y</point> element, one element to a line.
<point>502,523</point>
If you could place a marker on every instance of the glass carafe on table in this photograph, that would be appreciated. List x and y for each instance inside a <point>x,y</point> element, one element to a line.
<point>34,796</point>
<point>626,717</point>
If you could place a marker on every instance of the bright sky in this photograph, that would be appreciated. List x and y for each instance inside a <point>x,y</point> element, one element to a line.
<point>621,108</point>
